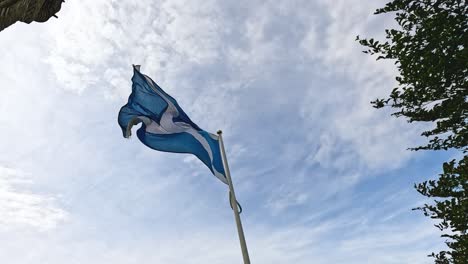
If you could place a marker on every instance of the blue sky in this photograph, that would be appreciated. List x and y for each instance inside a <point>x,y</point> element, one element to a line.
<point>322,176</point>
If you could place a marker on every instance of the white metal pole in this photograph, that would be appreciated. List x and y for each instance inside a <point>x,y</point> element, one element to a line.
<point>233,201</point>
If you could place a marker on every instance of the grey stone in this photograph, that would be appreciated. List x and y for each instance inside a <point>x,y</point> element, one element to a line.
<point>27,11</point>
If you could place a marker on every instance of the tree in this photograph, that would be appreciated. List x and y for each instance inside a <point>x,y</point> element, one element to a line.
<point>453,211</point>
<point>429,50</point>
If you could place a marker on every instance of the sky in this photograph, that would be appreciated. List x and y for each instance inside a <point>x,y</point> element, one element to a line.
<point>321,175</point>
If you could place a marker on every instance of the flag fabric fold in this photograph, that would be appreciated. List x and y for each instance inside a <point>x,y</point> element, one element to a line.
<point>165,126</point>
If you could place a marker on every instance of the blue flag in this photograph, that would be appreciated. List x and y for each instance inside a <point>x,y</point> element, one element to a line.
<point>165,126</point>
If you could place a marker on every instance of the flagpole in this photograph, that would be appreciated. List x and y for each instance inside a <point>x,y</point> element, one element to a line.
<point>233,201</point>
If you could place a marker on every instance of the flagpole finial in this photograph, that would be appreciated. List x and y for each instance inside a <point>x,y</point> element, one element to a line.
<point>219,132</point>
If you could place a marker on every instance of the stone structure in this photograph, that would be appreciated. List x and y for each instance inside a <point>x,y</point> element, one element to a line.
<point>27,11</point>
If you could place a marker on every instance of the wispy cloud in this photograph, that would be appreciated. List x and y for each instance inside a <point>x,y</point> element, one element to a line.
<point>22,208</point>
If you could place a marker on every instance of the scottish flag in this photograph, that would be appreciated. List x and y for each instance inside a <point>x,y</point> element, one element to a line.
<point>165,126</point>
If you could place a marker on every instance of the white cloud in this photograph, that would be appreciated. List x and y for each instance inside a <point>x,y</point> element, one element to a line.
<point>345,238</point>
<point>159,36</point>
<point>21,208</point>
<point>375,140</point>
<point>283,199</point>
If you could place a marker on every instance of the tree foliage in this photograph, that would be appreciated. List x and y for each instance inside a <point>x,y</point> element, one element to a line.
<point>431,56</point>
<point>453,211</point>
<point>429,50</point>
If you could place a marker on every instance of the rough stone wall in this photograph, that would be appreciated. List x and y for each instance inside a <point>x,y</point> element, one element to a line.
<point>27,11</point>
